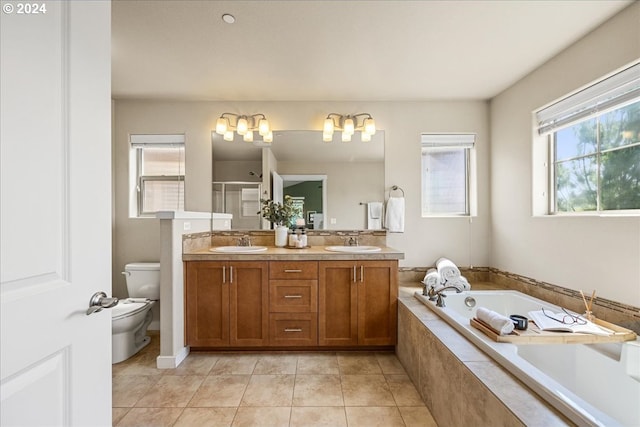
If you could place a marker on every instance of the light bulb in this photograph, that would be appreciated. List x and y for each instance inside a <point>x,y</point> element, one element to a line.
<point>228,135</point>
<point>327,137</point>
<point>268,137</point>
<point>221,126</point>
<point>349,127</point>
<point>365,137</point>
<point>243,126</point>
<point>370,126</point>
<point>346,137</point>
<point>263,127</point>
<point>248,137</point>
<point>328,126</point>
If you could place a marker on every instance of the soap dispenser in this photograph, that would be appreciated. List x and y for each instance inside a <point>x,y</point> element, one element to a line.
<point>303,238</point>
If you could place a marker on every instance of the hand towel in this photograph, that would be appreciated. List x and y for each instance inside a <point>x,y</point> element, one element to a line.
<point>499,323</point>
<point>447,269</point>
<point>394,220</point>
<point>432,278</point>
<point>374,215</point>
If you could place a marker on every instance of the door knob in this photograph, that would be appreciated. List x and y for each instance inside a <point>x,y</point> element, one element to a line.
<point>99,301</point>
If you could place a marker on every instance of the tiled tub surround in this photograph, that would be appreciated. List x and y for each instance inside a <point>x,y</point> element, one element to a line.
<point>618,313</point>
<point>459,383</point>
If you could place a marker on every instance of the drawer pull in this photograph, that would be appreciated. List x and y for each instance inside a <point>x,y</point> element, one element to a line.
<point>293,329</point>
<point>293,271</point>
<point>293,296</point>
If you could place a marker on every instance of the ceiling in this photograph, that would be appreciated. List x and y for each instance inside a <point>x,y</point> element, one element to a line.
<point>339,50</point>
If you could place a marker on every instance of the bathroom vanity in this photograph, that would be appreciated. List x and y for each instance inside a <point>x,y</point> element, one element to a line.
<point>291,298</point>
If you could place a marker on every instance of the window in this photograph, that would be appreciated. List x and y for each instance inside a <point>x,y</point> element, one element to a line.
<point>594,146</point>
<point>446,174</point>
<point>157,173</point>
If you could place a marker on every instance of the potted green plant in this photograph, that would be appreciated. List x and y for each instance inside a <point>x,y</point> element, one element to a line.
<point>281,215</point>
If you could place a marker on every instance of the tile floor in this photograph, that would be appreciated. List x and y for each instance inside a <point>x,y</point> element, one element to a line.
<point>269,389</point>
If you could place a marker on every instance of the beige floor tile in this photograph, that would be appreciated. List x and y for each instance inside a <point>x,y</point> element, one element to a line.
<point>150,417</point>
<point>358,364</point>
<point>389,364</point>
<point>276,365</point>
<point>234,364</point>
<point>417,416</point>
<point>332,416</point>
<point>403,390</point>
<point>171,391</point>
<point>325,363</point>
<point>263,417</point>
<point>366,390</point>
<point>117,414</point>
<point>269,390</point>
<point>206,417</point>
<point>220,391</point>
<point>194,364</point>
<point>128,389</point>
<point>371,416</point>
<point>317,390</point>
<point>141,365</point>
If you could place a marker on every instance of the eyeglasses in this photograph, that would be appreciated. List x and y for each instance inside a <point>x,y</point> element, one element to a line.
<point>567,319</point>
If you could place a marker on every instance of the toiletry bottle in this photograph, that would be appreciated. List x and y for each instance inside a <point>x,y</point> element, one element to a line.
<point>303,238</point>
<point>293,239</point>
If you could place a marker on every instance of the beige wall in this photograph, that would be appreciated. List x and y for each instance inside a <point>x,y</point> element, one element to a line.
<point>578,253</point>
<point>424,239</point>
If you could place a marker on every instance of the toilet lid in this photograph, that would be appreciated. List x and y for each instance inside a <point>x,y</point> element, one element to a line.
<point>124,309</point>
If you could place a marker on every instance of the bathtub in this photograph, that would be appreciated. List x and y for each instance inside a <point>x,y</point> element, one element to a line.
<point>591,384</point>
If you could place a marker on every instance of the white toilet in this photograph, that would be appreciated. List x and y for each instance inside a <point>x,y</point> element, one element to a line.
<point>132,316</point>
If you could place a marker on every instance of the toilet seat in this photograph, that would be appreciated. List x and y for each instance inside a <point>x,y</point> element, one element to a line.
<point>125,308</point>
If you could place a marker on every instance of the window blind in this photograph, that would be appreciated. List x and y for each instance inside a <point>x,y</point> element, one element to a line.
<point>613,91</point>
<point>165,140</point>
<point>448,140</point>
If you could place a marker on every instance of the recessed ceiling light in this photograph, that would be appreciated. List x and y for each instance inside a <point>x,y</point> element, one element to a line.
<point>228,18</point>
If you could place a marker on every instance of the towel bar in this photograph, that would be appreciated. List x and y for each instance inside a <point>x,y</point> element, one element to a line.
<point>394,188</point>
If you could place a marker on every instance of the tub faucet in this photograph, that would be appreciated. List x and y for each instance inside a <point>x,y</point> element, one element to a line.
<point>439,296</point>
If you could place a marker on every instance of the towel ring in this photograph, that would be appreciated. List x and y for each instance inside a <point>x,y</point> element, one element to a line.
<point>394,188</point>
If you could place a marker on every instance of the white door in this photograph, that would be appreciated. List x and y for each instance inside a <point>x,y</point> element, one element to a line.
<point>55,195</point>
<point>278,188</point>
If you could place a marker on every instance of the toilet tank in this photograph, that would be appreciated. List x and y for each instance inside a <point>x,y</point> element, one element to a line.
<point>143,280</point>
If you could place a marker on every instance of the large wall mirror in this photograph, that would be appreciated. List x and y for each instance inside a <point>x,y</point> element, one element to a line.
<point>332,181</point>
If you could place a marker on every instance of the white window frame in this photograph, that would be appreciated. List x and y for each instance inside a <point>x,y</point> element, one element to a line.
<point>451,141</point>
<point>614,91</point>
<point>137,181</point>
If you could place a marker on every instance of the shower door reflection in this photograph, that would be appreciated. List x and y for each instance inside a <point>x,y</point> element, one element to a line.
<point>240,199</point>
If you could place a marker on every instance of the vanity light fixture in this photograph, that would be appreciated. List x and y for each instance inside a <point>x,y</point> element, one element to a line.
<point>243,125</point>
<point>349,124</point>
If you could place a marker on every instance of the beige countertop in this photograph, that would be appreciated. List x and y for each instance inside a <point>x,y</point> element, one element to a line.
<point>313,253</point>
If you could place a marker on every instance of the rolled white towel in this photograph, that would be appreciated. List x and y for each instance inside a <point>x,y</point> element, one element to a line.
<point>460,282</point>
<point>447,269</point>
<point>499,323</point>
<point>432,278</point>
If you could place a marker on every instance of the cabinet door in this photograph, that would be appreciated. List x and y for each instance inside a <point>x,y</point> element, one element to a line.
<point>377,302</point>
<point>249,303</point>
<point>337,304</point>
<point>207,304</point>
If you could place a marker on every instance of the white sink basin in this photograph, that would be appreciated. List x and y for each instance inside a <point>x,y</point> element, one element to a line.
<point>353,249</point>
<point>239,249</point>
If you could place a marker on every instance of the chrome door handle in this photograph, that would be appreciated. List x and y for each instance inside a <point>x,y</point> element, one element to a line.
<point>99,301</point>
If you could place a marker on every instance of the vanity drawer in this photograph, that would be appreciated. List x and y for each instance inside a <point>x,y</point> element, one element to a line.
<point>293,270</point>
<point>293,329</point>
<point>293,296</point>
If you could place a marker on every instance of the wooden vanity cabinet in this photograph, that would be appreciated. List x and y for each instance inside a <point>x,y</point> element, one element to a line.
<point>227,303</point>
<point>357,303</point>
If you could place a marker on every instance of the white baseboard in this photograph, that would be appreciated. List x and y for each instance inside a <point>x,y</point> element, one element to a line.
<point>172,362</point>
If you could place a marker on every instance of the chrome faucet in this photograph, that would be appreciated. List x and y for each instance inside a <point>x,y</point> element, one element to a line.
<point>352,241</point>
<point>244,241</point>
<point>439,297</point>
